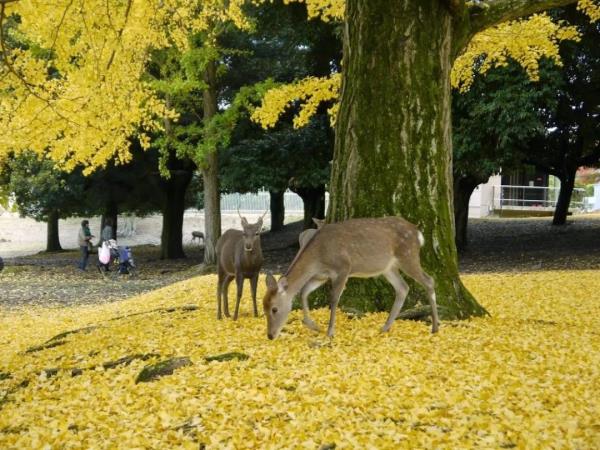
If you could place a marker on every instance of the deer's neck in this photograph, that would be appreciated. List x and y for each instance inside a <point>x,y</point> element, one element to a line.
<point>301,272</point>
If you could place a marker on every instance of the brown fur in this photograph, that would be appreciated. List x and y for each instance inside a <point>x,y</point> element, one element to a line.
<point>361,248</point>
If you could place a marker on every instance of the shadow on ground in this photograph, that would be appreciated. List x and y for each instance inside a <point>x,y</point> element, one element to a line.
<point>520,245</point>
<point>496,245</point>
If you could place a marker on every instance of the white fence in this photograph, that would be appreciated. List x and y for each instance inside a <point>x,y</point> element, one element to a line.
<point>532,198</point>
<point>259,202</point>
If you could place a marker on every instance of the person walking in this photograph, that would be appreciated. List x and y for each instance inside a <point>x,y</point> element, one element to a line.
<point>84,239</point>
<point>105,236</point>
<point>107,231</point>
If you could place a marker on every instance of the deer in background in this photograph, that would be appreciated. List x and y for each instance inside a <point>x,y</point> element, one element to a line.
<point>308,234</point>
<point>198,235</point>
<point>361,248</point>
<point>239,256</point>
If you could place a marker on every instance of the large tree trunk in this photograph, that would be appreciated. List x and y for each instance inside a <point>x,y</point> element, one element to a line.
<point>171,240</point>
<point>277,207</point>
<point>393,144</point>
<point>52,236</point>
<point>210,174</point>
<point>567,183</point>
<point>463,188</point>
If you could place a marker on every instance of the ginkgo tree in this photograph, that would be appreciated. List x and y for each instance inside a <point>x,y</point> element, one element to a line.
<point>75,91</point>
<point>393,147</point>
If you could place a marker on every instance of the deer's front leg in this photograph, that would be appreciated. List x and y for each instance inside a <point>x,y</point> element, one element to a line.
<point>306,291</point>
<point>219,289</point>
<point>253,286</point>
<point>225,290</point>
<point>239,280</point>
<point>338,285</point>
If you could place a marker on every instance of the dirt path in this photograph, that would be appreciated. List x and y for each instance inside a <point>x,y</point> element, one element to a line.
<point>520,245</point>
<point>500,245</point>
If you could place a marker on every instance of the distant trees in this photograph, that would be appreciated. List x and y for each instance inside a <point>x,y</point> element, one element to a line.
<point>43,192</point>
<point>506,120</point>
<point>281,159</point>
<point>493,123</point>
<point>571,118</point>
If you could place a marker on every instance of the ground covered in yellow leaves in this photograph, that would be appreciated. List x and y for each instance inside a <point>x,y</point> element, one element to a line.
<point>526,377</point>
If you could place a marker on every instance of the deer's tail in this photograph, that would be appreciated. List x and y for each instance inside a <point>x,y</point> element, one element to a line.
<point>421,238</point>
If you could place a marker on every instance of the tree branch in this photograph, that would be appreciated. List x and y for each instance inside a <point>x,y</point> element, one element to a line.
<point>484,14</point>
<point>454,6</point>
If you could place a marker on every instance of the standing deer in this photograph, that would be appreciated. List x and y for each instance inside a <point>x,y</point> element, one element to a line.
<point>198,235</point>
<point>361,248</point>
<point>239,256</point>
<point>307,234</point>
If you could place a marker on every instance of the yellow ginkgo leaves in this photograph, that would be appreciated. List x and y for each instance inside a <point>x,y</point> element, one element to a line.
<point>526,377</point>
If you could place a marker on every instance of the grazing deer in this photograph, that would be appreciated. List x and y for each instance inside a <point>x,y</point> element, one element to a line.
<point>239,256</point>
<point>362,248</point>
<point>307,235</point>
<point>197,235</point>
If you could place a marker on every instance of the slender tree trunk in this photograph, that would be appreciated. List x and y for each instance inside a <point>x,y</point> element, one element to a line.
<point>393,149</point>
<point>277,207</point>
<point>171,240</point>
<point>52,236</point>
<point>111,212</point>
<point>463,188</point>
<point>210,174</point>
<point>567,183</point>
<point>314,204</point>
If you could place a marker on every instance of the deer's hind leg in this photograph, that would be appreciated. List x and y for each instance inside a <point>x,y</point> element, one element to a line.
<point>416,272</point>
<point>401,288</point>
<point>221,274</point>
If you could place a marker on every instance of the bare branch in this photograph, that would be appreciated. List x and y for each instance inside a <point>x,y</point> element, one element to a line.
<point>120,33</point>
<point>11,68</point>
<point>454,6</point>
<point>484,14</point>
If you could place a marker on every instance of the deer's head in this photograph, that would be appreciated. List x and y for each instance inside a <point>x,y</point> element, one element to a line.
<point>277,305</point>
<point>251,234</point>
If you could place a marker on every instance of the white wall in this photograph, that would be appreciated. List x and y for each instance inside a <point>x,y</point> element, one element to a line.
<point>480,204</point>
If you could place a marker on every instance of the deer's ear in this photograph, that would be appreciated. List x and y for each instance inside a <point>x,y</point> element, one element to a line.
<point>271,283</point>
<point>318,222</point>
<point>244,222</point>
<point>283,283</point>
<point>260,224</point>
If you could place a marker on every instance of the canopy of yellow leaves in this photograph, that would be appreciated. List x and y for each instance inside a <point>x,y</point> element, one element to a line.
<point>525,41</point>
<point>98,50</point>
<point>526,377</point>
<point>95,51</point>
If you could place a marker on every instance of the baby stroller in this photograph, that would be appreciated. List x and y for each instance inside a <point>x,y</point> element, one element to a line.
<point>119,257</point>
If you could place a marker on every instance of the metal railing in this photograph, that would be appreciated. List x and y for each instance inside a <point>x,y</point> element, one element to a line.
<point>259,202</point>
<point>537,198</point>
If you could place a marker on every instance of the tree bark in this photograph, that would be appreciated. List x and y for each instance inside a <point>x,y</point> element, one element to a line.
<point>210,174</point>
<point>52,235</point>
<point>393,144</point>
<point>567,183</point>
<point>171,240</point>
<point>277,207</point>
<point>463,188</point>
